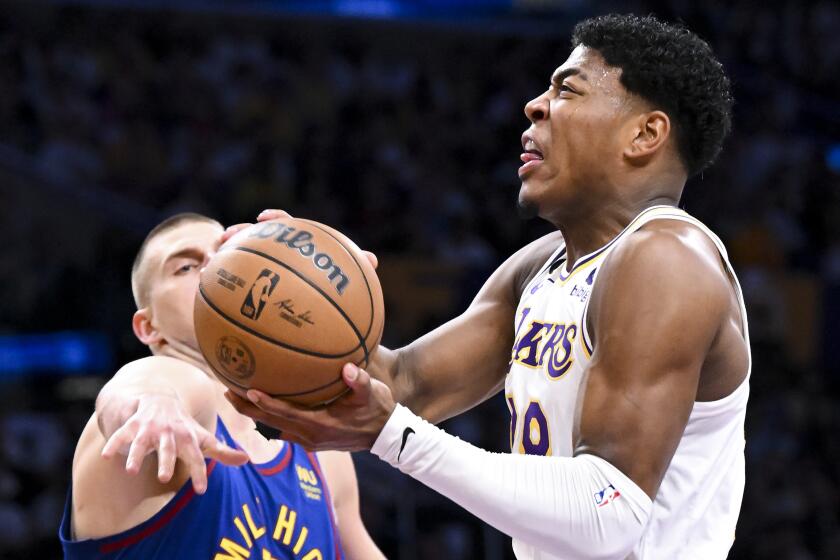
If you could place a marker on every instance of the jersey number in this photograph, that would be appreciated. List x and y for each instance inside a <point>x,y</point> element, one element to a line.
<point>535,436</point>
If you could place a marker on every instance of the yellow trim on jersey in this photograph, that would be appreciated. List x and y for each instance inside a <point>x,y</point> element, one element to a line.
<point>591,257</point>
<point>583,345</point>
<point>584,266</point>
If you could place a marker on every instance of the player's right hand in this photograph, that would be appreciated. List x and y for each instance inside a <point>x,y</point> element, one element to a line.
<point>263,216</point>
<point>159,423</point>
<point>273,214</point>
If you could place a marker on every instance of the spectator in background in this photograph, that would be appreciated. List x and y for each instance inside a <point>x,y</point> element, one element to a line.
<point>228,115</point>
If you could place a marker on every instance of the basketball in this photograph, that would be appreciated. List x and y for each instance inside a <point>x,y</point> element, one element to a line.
<point>284,305</point>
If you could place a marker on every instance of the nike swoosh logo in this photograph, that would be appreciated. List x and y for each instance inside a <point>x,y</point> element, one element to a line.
<point>407,432</point>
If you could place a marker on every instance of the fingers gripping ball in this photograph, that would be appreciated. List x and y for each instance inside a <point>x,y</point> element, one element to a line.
<point>284,305</point>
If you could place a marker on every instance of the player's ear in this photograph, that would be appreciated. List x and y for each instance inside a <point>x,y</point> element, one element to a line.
<point>648,133</point>
<point>143,328</point>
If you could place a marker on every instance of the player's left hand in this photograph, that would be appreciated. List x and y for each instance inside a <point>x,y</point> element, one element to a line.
<point>350,423</point>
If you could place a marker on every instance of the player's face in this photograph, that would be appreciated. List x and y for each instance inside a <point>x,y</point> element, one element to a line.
<point>573,144</point>
<point>176,258</point>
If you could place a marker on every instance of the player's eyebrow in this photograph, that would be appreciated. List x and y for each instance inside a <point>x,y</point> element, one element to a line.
<point>561,75</point>
<point>186,252</point>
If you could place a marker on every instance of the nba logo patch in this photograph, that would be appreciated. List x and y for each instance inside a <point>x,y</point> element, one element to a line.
<point>258,294</point>
<point>606,496</point>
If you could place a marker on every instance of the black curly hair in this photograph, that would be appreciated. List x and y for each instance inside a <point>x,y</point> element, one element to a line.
<point>673,69</point>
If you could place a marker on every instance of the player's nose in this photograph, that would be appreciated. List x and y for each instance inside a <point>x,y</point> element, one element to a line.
<point>537,108</point>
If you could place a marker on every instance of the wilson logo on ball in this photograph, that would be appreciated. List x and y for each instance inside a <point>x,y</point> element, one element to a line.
<point>257,296</point>
<point>300,240</point>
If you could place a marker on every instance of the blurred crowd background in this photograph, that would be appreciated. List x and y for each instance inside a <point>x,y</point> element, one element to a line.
<point>403,133</point>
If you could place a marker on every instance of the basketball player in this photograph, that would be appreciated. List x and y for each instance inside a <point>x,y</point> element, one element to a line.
<point>620,340</point>
<point>254,498</point>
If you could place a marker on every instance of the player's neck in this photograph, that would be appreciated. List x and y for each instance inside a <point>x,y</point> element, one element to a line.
<point>586,232</point>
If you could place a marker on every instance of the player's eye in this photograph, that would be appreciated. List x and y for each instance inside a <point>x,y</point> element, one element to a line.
<point>186,268</point>
<point>564,87</point>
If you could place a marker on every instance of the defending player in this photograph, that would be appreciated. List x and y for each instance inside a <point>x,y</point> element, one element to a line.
<point>278,505</point>
<point>629,371</point>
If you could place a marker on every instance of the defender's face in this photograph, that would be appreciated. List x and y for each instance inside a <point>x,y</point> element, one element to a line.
<point>573,142</point>
<point>176,258</point>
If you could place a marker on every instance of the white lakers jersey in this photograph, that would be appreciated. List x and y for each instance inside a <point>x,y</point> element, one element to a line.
<point>696,509</point>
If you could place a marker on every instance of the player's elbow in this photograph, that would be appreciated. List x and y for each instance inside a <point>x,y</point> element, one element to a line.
<point>607,524</point>
<point>618,542</point>
<point>614,534</point>
<point>610,540</point>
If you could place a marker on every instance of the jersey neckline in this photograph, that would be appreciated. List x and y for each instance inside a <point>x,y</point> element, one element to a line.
<point>563,271</point>
<point>273,465</point>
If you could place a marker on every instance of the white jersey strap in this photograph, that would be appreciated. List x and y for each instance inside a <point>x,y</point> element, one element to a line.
<point>673,213</point>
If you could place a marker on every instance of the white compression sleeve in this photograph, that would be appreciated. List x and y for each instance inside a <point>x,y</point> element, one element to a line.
<point>581,507</point>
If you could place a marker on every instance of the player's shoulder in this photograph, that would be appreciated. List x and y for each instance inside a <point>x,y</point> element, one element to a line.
<point>541,248</point>
<point>526,263</point>
<point>508,282</point>
<point>678,240</point>
<point>669,252</point>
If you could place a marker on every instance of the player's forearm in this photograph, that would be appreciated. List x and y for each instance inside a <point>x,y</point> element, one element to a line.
<point>146,381</point>
<point>115,404</point>
<point>409,384</point>
<point>399,370</point>
<point>451,370</point>
<point>578,507</point>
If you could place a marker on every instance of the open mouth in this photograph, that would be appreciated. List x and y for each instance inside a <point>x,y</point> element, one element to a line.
<point>531,155</point>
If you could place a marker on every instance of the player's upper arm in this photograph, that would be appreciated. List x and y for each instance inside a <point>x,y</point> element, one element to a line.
<point>656,309</point>
<point>344,490</point>
<point>464,362</point>
<point>106,498</point>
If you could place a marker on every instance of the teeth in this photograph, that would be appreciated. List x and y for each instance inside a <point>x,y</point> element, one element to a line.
<point>530,147</point>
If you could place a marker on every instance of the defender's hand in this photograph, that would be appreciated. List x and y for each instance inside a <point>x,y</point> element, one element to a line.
<point>159,423</point>
<point>351,423</point>
<point>263,216</point>
<point>266,215</point>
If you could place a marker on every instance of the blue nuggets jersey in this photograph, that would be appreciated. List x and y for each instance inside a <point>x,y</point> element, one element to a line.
<point>270,511</point>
